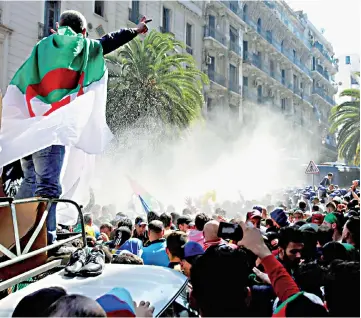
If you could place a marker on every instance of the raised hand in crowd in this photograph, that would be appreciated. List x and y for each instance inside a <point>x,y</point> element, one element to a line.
<point>144,309</point>
<point>253,240</point>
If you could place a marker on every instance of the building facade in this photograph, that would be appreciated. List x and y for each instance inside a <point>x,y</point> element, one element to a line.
<point>349,66</point>
<point>256,53</point>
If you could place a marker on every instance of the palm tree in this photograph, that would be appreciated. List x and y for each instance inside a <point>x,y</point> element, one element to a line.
<point>345,120</point>
<point>149,79</point>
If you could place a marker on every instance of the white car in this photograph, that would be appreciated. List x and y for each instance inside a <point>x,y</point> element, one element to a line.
<point>164,288</point>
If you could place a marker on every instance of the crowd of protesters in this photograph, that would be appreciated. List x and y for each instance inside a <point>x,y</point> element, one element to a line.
<point>299,255</point>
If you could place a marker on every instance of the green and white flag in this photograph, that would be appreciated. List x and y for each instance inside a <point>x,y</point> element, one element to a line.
<point>58,97</point>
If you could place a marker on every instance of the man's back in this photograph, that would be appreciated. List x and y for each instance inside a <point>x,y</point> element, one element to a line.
<point>155,254</point>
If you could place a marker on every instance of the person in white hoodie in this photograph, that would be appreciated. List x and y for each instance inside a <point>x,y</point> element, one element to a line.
<point>196,235</point>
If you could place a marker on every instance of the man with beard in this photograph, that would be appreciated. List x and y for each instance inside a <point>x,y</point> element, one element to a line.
<point>290,248</point>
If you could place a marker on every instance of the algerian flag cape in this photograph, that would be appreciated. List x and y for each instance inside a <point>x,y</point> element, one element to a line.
<point>58,97</point>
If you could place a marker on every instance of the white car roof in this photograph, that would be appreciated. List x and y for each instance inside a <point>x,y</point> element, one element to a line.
<point>158,285</point>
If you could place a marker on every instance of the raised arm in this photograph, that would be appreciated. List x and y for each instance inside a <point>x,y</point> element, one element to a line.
<point>112,41</point>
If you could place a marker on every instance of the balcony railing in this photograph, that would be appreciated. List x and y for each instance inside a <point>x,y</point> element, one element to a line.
<point>234,7</point>
<point>233,46</point>
<point>133,16</point>
<point>234,87</point>
<point>320,47</point>
<point>322,93</point>
<point>249,94</point>
<point>286,52</point>
<point>321,71</point>
<point>217,78</point>
<point>270,4</point>
<point>215,34</point>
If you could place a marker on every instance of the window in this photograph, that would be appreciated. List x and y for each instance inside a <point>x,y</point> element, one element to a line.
<point>233,83</point>
<point>272,68</point>
<point>134,12</point>
<point>269,36</point>
<point>189,35</point>
<point>294,83</point>
<point>245,81</point>
<point>245,50</point>
<point>294,55</point>
<point>166,19</point>
<point>282,46</point>
<point>283,104</point>
<point>348,59</point>
<point>245,12</point>
<point>211,67</point>
<point>52,14</point>
<point>209,104</point>
<point>283,75</point>
<point>99,8</point>
<point>259,25</point>
<point>233,35</point>
<point>211,26</point>
<point>259,94</point>
<point>353,81</point>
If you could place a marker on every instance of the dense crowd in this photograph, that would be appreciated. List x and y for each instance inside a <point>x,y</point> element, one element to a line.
<point>298,256</point>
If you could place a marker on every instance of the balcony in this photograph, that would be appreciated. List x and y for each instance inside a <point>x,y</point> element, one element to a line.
<point>234,47</point>
<point>283,18</point>
<point>270,4</point>
<point>287,53</point>
<point>234,87</point>
<point>217,78</point>
<point>322,72</point>
<point>249,94</point>
<point>234,7</point>
<point>133,16</point>
<point>320,48</point>
<point>215,34</point>
<point>320,92</point>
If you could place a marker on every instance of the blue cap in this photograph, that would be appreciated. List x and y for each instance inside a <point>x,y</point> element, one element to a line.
<point>192,249</point>
<point>280,217</point>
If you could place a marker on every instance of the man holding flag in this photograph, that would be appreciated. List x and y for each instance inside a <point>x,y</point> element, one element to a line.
<point>57,98</point>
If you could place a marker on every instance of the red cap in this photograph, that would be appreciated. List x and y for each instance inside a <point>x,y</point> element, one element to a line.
<point>317,218</point>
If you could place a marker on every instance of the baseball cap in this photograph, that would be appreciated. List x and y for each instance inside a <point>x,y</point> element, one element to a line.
<point>184,219</point>
<point>308,227</point>
<point>317,218</point>
<point>140,221</point>
<point>121,235</point>
<point>258,208</point>
<point>192,250</point>
<point>337,199</point>
<point>254,214</point>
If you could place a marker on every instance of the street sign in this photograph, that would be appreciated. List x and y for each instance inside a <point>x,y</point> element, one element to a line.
<point>312,168</point>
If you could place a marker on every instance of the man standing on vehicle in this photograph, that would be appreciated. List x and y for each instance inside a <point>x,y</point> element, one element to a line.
<point>42,168</point>
<point>326,181</point>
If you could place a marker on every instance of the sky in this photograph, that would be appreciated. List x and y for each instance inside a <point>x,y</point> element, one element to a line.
<point>339,18</point>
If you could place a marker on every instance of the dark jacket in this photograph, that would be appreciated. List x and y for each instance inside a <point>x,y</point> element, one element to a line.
<point>325,182</point>
<point>112,41</point>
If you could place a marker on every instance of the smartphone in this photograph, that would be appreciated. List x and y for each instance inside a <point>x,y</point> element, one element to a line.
<point>230,231</point>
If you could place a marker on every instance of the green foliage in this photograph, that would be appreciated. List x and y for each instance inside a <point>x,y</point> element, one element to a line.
<point>149,79</point>
<point>345,120</point>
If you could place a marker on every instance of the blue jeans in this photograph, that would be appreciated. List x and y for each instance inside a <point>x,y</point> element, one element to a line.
<point>42,178</point>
